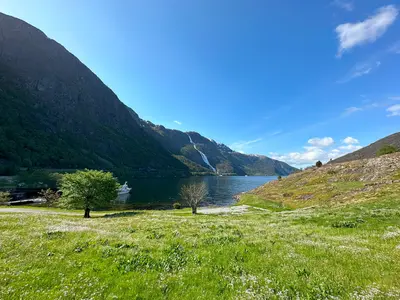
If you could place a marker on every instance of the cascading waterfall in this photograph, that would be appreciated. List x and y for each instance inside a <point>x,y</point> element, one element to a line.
<point>203,156</point>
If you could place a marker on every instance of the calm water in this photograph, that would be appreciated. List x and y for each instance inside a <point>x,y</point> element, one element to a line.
<point>154,192</point>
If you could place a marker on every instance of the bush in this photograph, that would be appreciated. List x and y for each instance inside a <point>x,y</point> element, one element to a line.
<point>318,164</point>
<point>387,149</point>
<point>50,196</point>
<point>177,205</point>
<point>279,177</point>
<point>4,197</point>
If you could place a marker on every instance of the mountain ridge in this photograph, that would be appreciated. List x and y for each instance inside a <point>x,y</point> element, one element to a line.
<point>370,150</point>
<point>221,157</point>
<point>57,114</point>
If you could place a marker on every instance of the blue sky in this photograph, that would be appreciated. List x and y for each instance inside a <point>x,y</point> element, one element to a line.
<point>287,79</point>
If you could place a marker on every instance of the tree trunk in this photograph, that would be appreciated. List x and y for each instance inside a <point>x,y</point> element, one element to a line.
<point>87,213</point>
<point>194,210</point>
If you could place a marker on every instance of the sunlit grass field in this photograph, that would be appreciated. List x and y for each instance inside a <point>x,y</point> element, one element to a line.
<point>346,252</point>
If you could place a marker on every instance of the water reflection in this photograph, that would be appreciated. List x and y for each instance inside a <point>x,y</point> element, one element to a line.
<point>165,191</point>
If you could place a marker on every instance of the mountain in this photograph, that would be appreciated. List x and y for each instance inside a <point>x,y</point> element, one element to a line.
<point>371,150</point>
<point>56,113</point>
<point>220,157</point>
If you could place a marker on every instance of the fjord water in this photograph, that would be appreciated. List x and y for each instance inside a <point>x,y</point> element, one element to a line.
<point>165,191</point>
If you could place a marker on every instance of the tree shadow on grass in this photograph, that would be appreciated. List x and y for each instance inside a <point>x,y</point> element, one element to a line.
<point>122,214</point>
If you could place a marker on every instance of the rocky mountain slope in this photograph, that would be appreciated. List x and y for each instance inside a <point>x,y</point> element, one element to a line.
<point>332,184</point>
<point>56,113</point>
<point>220,157</point>
<point>371,150</point>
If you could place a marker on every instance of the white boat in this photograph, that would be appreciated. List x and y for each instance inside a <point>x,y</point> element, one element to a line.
<point>123,190</point>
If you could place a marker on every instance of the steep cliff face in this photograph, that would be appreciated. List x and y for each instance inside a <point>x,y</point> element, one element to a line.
<point>56,113</point>
<point>220,156</point>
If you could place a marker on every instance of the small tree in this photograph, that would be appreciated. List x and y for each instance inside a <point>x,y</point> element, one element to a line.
<point>4,197</point>
<point>88,189</point>
<point>279,177</point>
<point>318,164</point>
<point>194,194</point>
<point>50,196</point>
<point>386,149</point>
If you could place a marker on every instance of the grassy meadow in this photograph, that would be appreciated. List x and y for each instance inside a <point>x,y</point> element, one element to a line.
<point>327,233</point>
<point>350,252</point>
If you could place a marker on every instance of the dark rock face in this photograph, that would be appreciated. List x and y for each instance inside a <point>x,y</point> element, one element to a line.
<point>56,113</point>
<point>371,150</point>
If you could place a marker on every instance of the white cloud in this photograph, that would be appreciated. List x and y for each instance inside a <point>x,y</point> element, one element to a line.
<point>242,146</point>
<point>177,122</point>
<point>321,142</point>
<point>394,110</point>
<point>319,151</point>
<point>346,5</point>
<point>396,98</point>
<point>359,70</point>
<point>351,110</point>
<point>367,31</point>
<point>350,140</point>
<point>350,148</point>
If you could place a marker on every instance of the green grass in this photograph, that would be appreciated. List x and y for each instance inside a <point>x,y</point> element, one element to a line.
<point>307,253</point>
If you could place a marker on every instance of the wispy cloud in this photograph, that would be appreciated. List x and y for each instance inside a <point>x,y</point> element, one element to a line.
<point>359,70</point>
<point>393,110</point>
<point>346,5</point>
<point>395,48</point>
<point>367,31</point>
<point>178,122</point>
<point>351,110</point>
<point>242,146</point>
<point>278,132</point>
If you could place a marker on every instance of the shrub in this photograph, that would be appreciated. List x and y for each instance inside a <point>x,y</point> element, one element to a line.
<point>387,149</point>
<point>4,197</point>
<point>50,196</point>
<point>318,164</point>
<point>177,205</point>
<point>279,177</point>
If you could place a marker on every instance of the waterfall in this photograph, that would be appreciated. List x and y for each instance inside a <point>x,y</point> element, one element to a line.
<point>203,156</point>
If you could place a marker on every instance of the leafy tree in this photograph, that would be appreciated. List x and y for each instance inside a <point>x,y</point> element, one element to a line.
<point>279,177</point>
<point>387,149</point>
<point>50,196</point>
<point>4,197</point>
<point>194,194</point>
<point>88,189</point>
<point>318,164</point>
